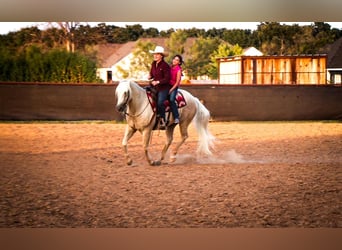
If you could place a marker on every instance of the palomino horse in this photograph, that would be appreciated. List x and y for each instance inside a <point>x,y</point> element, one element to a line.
<point>133,101</point>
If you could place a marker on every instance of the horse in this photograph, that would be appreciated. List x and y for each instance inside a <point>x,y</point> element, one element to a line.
<point>133,102</point>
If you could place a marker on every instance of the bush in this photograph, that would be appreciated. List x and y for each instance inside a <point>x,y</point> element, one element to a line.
<point>31,64</point>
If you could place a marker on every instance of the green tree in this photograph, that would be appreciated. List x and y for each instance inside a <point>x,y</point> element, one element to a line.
<point>34,61</point>
<point>34,65</point>
<point>141,61</point>
<point>86,36</point>
<point>68,31</point>
<point>272,37</point>
<point>214,32</point>
<point>134,31</point>
<point>194,32</point>
<point>198,63</point>
<point>176,42</point>
<point>276,39</point>
<point>52,38</point>
<point>7,65</point>
<point>223,50</point>
<point>70,67</point>
<point>167,33</point>
<point>245,38</point>
<point>323,35</point>
<point>150,32</point>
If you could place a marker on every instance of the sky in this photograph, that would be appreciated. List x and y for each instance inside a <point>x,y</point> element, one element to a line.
<point>6,27</point>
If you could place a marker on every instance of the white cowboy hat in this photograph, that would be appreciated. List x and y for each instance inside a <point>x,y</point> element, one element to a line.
<point>159,50</point>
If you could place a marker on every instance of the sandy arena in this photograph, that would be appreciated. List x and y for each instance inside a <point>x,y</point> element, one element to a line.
<point>263,174</point>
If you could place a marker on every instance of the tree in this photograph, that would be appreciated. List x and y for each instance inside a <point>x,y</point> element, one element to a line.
<point>223,50</point>
<point>141,61</point>
<point>134,31</point>
<point>176,42</point>
<point>215,32</point>
<point>323,35</point>
<point>68,29</point>
<point>245,38</point>
<point>7,64</point>
<point>272,36</point>
<point>32,64</point>
<point>53,38</point>
<point>86,36</point>
<point>150,32</point>
<point>66,67</point>
<point>19,50</point>
<point>194,32</point>
<point>35,69</point>
<point>166,33</point>
<point>199,62</point>
<point>276,39</point>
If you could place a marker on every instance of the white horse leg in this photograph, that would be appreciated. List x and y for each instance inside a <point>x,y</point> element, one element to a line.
<point>146,142</point>
<point>129,132</point>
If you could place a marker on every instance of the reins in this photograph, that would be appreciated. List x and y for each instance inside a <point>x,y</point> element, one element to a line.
<point>126,102</point>
<point>139,113</point>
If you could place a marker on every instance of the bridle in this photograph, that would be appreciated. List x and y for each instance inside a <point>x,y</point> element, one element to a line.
<point>126,104</point>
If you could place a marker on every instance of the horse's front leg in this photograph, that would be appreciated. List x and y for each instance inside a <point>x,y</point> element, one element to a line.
<point>129,132</point>
<point>146,134</point>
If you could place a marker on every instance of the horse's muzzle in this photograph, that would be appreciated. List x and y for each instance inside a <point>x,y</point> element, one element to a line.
<point>121,107</point>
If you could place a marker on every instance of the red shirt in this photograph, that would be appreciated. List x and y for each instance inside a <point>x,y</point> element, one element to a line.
<point>174,71</point>
<point>161,73</point>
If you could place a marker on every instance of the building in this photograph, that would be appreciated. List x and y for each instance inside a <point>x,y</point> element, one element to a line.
<point>115,60</point>
<point>251,51</point>
<point>334,64</point>
<point>303,69</point>
<point>110,55</point>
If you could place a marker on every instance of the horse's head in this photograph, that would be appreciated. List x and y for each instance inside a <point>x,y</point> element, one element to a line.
<point>123,95</point>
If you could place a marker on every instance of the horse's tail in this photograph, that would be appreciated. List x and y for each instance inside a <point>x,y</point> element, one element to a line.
<point>205,138</point>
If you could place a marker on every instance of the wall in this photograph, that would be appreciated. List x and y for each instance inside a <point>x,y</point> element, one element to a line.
<point>57,102</point>
<point>23,101</point>
<point>272,102</point>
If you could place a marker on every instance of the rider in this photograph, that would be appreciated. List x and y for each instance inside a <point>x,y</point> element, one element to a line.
<point>176,75</point>
<point>160,80</point>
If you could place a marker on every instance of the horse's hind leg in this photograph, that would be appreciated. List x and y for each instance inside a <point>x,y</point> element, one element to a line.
<point>128,134</point>
<point>169,138</point>
<point>183,127</point>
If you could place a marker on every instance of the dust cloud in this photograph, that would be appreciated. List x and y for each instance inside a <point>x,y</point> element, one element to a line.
<point>230,156</point>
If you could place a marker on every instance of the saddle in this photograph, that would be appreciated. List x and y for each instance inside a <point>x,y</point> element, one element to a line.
<point>152,98</point>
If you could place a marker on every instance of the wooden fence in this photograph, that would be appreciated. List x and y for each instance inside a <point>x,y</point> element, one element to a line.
<point>309,69</point>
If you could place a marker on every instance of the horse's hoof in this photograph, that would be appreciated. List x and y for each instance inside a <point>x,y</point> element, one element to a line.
<point>129,162</point>
<point>155,163</point>
<point>173,158</point>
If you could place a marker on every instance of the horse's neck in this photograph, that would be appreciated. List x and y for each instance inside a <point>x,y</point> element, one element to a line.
<point>139,98</point>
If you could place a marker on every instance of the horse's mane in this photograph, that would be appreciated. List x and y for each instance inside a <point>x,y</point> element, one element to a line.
<point>132,84</point>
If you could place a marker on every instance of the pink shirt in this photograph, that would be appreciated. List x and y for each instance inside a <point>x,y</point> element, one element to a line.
<point>173,75</point>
